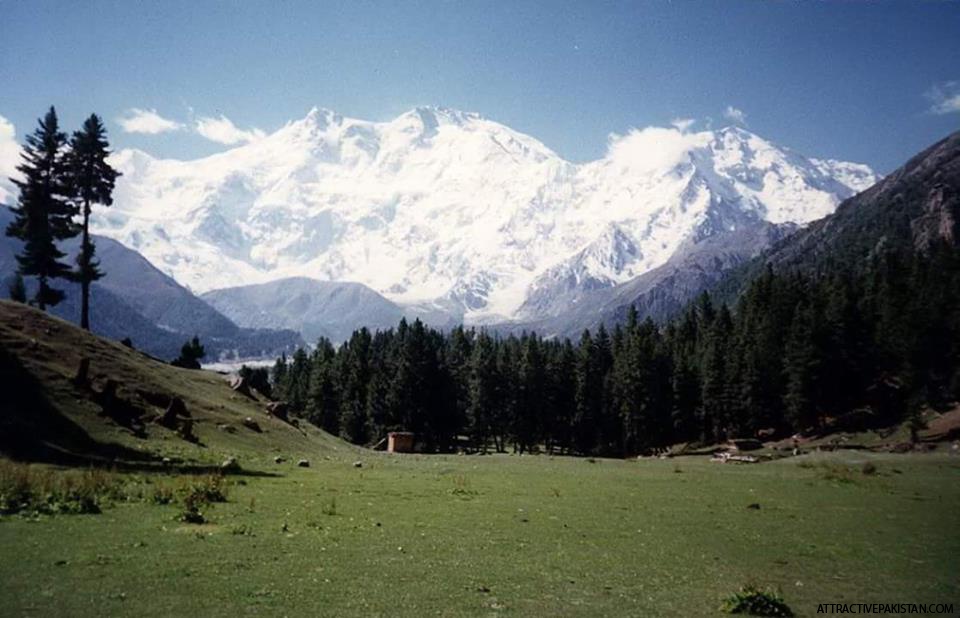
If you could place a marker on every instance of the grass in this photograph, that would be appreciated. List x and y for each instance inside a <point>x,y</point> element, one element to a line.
<point>41,353</point>
<point>513,536</point>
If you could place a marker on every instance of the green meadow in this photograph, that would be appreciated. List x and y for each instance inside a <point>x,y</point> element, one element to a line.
<point>501,535</point>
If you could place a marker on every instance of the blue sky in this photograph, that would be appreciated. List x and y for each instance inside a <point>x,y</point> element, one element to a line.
<point>864,81</point>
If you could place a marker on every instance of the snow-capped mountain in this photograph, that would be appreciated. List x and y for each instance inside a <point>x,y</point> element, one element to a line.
<point>443,208</point>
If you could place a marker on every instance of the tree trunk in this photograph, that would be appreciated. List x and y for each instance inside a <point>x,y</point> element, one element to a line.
<point>42,293</point>
<point>84,275</point>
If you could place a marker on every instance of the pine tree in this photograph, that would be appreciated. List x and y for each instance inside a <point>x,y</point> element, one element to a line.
<point>91,182</point>
<point>482,391</point>
<point>278,376</point>
<point>323,400</point>
<point>801,365</point>
<point>531,396</point>
<point>354,377</point>
<point>587,395</point>
<point>190,355</point>
<point>44,214</point>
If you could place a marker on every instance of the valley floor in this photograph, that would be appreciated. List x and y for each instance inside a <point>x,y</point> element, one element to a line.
<point>505,535</point>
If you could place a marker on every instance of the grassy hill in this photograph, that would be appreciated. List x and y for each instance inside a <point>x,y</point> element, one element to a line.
<point>44,415</point>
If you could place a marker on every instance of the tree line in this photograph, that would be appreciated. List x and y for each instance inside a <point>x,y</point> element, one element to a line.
<point>873,342</point>
<point>61,181</point>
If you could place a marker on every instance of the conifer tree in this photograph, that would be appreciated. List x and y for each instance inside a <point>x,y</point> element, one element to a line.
<point>801,365</point>
<point>482,391</point>
<point>190,354</point>
<point>323,403</point>
<point>44,213</point>
<point>91,182</point>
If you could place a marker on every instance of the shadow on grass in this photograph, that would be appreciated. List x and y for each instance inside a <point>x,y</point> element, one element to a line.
<point>32,429</point>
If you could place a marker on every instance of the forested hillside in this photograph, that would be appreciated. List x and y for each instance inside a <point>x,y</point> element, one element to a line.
<point>857,317</point>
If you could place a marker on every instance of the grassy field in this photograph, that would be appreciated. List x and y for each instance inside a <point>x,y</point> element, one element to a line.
<point>505,535</point>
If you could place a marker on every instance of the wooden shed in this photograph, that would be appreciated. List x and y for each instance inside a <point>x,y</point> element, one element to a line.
<point>399,442</point>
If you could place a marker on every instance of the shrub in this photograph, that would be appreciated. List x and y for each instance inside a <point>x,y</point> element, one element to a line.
<point>752,601</point>
<point>207,489</point>
<point>162,494</point>
<point>26,489</point>
<point>199,491</point>
<point>191,513</point>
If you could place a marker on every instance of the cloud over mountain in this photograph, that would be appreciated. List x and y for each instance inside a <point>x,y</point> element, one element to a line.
<point>147,121</point>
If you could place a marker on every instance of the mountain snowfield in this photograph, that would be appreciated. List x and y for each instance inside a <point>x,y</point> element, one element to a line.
<point>442,208</point>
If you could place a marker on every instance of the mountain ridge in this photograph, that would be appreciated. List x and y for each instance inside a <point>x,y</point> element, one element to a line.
<point>448,208</point>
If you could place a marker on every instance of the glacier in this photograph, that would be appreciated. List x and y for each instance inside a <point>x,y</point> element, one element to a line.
<point>447,209</point>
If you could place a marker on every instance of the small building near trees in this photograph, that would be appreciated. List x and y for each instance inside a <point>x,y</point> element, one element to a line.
<point>399,442</point>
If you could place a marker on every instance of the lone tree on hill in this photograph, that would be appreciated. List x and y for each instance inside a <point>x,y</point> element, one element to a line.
<point>44,213</point>
<point>190,355</point>
<point>91,182</point>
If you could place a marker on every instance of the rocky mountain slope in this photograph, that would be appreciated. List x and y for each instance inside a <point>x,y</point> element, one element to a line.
<point>914,206</point>
<point>313,308</point>
<point>136,300</point>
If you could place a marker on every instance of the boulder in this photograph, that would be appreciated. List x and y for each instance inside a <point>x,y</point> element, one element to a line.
<point>240,385</point>
<point>278,409</point>
<point>304,463</point>
<point>251,424</point>
<point>278,459</point>
<point>185,430</point>
<point>230,464</point>
<point>746,444</point>
<point>81,378</point>
<point>175,409</point>
<point>358,464</point>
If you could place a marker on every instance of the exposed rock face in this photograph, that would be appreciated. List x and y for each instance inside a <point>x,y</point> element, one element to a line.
<point>916,205</point>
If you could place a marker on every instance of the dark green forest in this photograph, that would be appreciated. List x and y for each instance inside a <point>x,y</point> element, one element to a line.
<point>868,343</point>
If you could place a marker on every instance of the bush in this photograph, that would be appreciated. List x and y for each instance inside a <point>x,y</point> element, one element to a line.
<point>752,601</point>
<point>26,489</point>
<point>191,513</point>
<point>200,491</point>
<point>207,489</point>
<point>162,494</point>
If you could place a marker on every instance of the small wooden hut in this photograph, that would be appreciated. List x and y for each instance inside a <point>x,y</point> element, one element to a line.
<point>399,442</point>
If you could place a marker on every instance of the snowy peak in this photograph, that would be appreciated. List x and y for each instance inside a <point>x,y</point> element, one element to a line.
<point>439,206</point>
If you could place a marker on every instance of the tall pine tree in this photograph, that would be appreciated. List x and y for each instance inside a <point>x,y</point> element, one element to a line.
<point>91,181</point>
<point>44,213</point>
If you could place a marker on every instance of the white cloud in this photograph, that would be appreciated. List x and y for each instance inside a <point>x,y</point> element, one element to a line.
<point>682,124</point>
<point>146,121</point>
<point>944,98</point>
<point>735,115</point>
<point>653,148</point>
<point>223,131</point>
<point>9,159</point>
